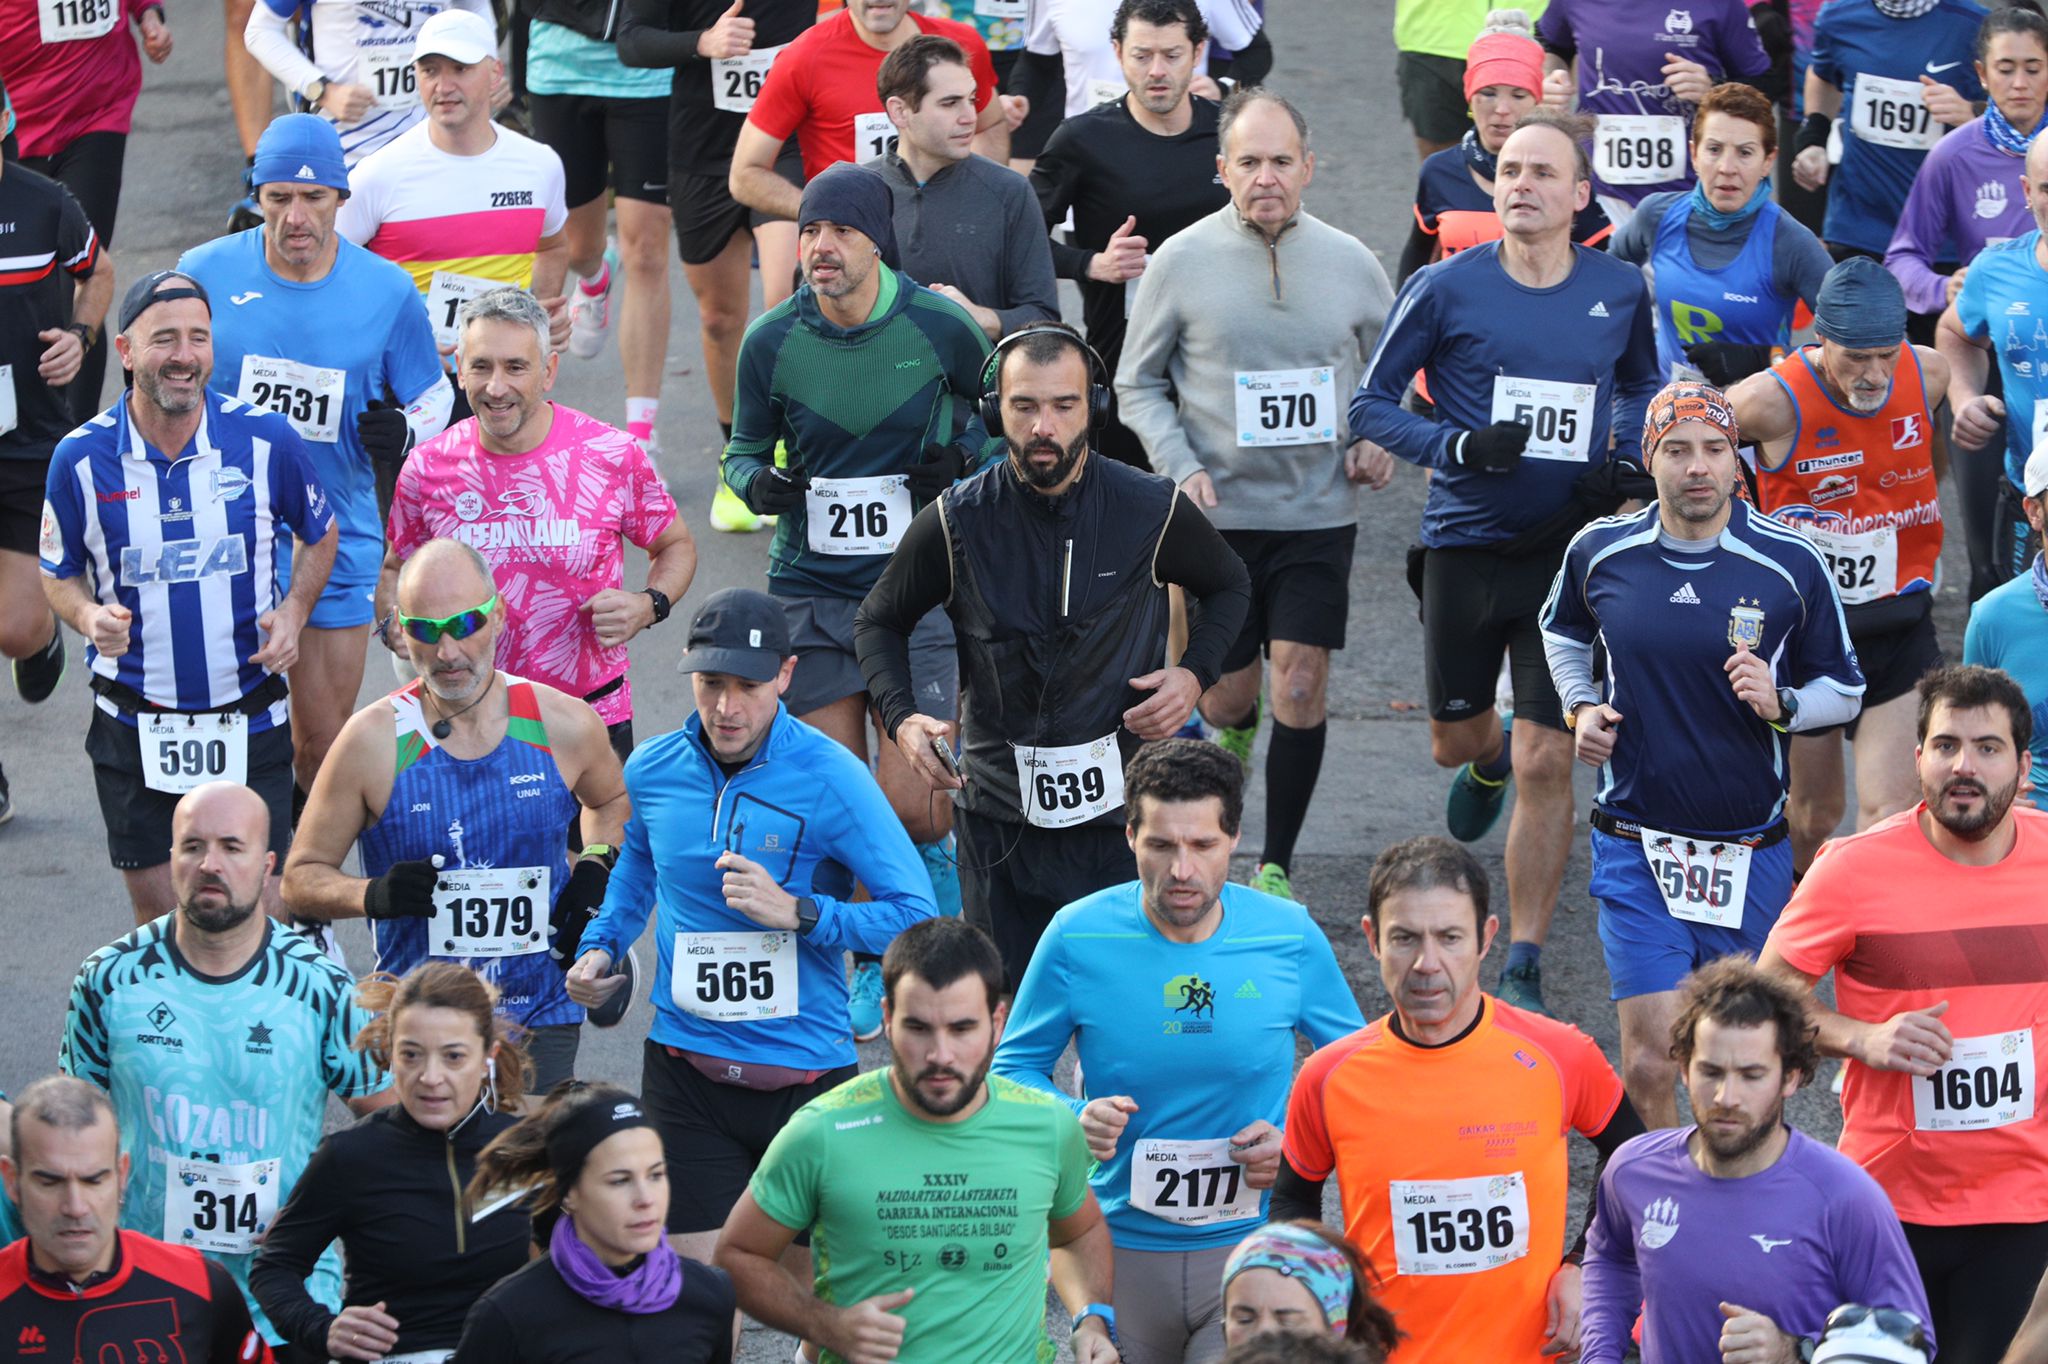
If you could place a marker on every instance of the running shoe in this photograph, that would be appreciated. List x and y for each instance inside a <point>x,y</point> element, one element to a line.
<point>1523,988</point>
<point>1237,740</point>
<point>36,676</point>
<point>1271,878</point>
<point>939,865</point>
<point>731,515</point>
<point>609,1013</point>
<point>590,315</point>
<point>864,1001</point>
<point>1474,804</point>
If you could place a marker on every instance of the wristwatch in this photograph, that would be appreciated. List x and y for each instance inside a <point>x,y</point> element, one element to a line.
<point>1788,707</point>
<point>1103,1310</point>
<point>315,90</point>
<point>87,334</point>
<point>662,605</point>
<point>603,852</point>
<point>806,915</point>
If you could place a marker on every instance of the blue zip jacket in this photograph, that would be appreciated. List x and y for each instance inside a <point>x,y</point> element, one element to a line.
<point>807,810</point>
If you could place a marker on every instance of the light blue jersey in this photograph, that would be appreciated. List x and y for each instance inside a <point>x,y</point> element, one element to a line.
<point>220,1084</point>
<point>2009,629</point>
<point>2004,300</point>
<point>1201,1035</point>
<point>320,353</point>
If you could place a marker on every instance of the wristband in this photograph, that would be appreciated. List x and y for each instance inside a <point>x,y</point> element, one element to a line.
<point>1812,133</point>
<point>1103,1310</point>
<point>662,605</point>
<point>603,852</point>
<point>87,334</point>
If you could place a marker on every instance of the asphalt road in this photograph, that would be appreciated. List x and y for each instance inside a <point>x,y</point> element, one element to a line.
<point>1335,58</point>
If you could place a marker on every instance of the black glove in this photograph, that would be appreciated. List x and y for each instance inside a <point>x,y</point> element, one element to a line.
<point>1812,133</point>
<point>574,908</point>
<point>1726,362</point>
<point>385,433</point>
<point>404,892</point>
<point>1494,449</point>
<point>775,491</point>
<point>1773,30</point>
<point>939,470</point>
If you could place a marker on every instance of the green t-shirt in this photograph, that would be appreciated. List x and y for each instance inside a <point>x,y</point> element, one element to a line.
<point>957,1211</point>
<point>1446,28</point>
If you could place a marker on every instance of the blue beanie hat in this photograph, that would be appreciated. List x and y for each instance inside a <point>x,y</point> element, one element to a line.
<point>300,149</point>
<point>853,196</point>
<point>1860,306</point>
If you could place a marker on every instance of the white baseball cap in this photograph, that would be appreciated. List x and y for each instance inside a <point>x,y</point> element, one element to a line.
<point>457,34</point>
<point>2034,481</point>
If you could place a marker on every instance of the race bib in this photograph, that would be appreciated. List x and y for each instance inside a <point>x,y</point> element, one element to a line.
<point>1459,1226</point>
<point>73,21</point>
<point>309,397</point>
<point>1285,407</point>
<point>218,1209</point>
<point>1639,149</point>
<point>490,912</point>
<point>180,752</point>
<point>446,294</point>
<point>735,977</point>
<point>874,137</point>
<point>1559,415</point>
<point>419,1357</point>
<point>1101,91</point>
<point>736,81</point>
<point>1016,11</point>
<point>1070,785</point>
<point>1192,1183</point>
<point>1988,1082</point>
<point>389,72</point>
<point>1864,567</point>
<point>1890,113</point>
<point>10,416</point>
<point>856,515</point>
<point>1701,882</point>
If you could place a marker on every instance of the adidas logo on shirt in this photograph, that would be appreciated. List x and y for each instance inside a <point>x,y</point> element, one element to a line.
<point>1685,596</point>
<point>1599,309</point>
<point>304,173</point>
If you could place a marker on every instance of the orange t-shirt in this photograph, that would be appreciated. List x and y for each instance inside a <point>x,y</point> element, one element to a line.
<point>1903,928</point>
<point>1451,1161</point>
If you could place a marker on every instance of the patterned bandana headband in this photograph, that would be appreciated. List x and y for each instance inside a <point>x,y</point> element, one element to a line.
<point>1686,401</point>
<point>1304,1257</point>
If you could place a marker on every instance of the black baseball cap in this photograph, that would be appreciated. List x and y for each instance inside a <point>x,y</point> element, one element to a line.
<point>738,631</point>
<point>149,291</point>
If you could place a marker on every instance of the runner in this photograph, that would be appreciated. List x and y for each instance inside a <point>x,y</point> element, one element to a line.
<point>1723,635</point>
<point>72,78</point>
<point>53,300</point>
<point>460,202</point>
<point>590,1164</point>
<point>75,1278</point>
<point>549,497</point>
<point>1087,35</point>
<point>1064,662</point>
<point>858,324</point>
<point>347,63</point>
<point>1903,68</point>
<point>1641,72</point>
<point>358,395</point>
<point>1503,77</point>
<point>1458,1106</point>
<point>1519,460</point>
<point>945,195</point>
<point>1433,65</point>
<point>2007,287</point>
<point>1729,264</point>
<point>220,1033</point>
<point>2008,627</point>
<point>1131,172</point>
<point>167,525</point>
<point>389,1189</point>
<point>1730,1238</point>
<point>1247,327</point>
<point>752,913</point>
<point>1942,1040</point>
<point>1183,1096</point>
<point>1000,1172</point>
<point>1848,454</point>
<point>721,54</point>
<point>459,792</point>
<point>1291,1278</point>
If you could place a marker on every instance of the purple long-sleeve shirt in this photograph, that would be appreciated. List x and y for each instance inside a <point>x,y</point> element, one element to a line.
<point>1966,196</point>
<point>1793,1242</point>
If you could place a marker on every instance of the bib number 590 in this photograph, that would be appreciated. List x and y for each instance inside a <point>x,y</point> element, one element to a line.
<point>192,757</point>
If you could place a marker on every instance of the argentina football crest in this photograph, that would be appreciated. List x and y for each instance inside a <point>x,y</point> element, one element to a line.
<point>1746,624</point>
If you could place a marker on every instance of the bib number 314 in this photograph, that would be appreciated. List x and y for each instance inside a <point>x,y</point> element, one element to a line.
<point>219,1209</point>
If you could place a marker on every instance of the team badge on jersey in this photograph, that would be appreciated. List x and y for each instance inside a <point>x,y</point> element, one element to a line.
<point>1908,431</point>
<point>1746,623</point>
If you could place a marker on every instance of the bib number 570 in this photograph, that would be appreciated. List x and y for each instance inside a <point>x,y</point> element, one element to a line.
<point>1279,411</point>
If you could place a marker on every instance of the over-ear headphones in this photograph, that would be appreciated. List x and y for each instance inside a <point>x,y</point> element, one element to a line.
<point>1098,376</point>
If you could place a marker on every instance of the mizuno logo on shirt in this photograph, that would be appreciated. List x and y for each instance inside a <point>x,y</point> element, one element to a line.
<point>1685,596</point>
<point>1766,1242</point>
<point>1599,309</point>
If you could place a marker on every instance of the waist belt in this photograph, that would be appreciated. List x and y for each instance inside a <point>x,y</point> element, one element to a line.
<point>721,1070</point>
<point>593,697</point>
<point>262,697</point>
<point>1629,829</point>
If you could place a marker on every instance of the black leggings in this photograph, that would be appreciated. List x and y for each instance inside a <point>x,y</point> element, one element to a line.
<point>1979,1280</point>
<point>90,167</point>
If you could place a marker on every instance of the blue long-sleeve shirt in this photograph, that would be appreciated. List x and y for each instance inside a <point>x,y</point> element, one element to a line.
<point>807,810</point>
<point>1584,353</point>
<point>1200,1034</point>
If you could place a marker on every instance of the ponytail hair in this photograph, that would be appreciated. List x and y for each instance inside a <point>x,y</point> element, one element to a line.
<point>448,985</point>
<point>516,1162</point>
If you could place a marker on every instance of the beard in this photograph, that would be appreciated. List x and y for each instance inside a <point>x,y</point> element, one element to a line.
<point>963,1095</point>
<point>1020,460</point>
<point>1734,1147</point>
<point>1990,813</point>
<point>215,918</point>
<point>151,384</point>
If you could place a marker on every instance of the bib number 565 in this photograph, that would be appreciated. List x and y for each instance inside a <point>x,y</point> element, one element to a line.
<point>733,982</point>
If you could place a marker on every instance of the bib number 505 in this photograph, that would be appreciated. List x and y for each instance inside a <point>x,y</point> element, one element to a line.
<point>1548,423</point>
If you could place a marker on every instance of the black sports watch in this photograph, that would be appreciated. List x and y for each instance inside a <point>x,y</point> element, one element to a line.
<point>1788,706</point>
<point>806,915</point>
<point>662,605</point>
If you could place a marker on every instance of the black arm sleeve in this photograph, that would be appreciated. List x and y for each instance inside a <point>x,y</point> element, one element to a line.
<point>1194,556</point>
<point>1296,1197</point>
<point>917,578</point>
<point>1625,1123</point>
<point>311,1220</point>
<point>645,39</point>
<point>1415,252</point>
<point>234,1333</point>
<point>1055,178</point>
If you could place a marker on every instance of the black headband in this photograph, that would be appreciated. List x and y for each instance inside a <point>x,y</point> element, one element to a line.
<point>584,1130</point>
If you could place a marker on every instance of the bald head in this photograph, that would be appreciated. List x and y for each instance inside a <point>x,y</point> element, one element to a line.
<point>443,577</point>
<point>220,853</point>
<point>222,805</point>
